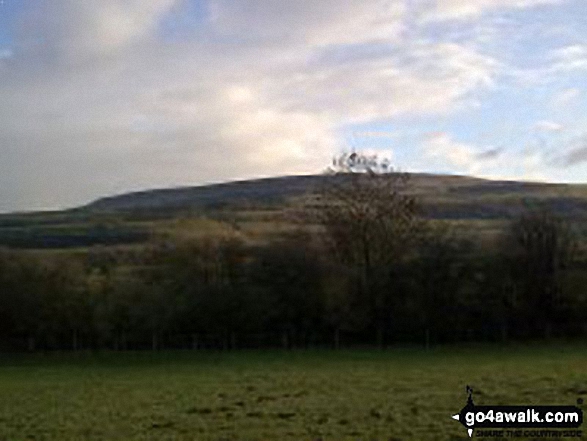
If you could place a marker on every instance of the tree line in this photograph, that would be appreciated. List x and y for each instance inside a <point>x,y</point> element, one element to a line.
<point>371,271</point>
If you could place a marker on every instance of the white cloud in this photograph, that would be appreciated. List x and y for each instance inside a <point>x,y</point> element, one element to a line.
<point>569,58</point>
<point>429,78</point>
<point>557,64</point>
<point>467,9</point>
<point>527,165</point>
<point>534,166</point>
<point>565,97</point>
<point>80,28</point>
<point>548,126</point>
<point>310,22</point>
<point>441,145</point>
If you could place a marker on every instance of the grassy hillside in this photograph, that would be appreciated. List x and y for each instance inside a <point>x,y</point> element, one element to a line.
<point>445,196</point>
<point>260,206</point>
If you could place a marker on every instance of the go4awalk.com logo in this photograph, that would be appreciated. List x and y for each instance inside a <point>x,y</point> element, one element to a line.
<point>520,421</point>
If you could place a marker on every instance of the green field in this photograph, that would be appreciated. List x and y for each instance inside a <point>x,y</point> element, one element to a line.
<point>397,394</point>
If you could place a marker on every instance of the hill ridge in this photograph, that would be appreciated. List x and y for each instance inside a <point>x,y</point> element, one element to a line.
<point>273,189</point>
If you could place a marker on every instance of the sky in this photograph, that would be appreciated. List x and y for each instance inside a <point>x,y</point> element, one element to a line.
<point>104,97</point>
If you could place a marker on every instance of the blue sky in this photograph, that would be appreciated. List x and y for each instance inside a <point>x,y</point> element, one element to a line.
<point>98,98</point>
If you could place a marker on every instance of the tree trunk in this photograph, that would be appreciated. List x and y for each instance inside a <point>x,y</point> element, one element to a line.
<point>74,340</point>
<point>195,342</point>
<point>285,341</point>
<point>232,341</point>
<point>154,341</point>
<point>337,339</point>
<point>427,339</point>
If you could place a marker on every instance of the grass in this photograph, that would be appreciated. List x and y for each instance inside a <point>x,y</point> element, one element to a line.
<point>399,394</point>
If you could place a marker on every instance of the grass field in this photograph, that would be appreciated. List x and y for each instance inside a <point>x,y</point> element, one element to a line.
<point>398,394</point>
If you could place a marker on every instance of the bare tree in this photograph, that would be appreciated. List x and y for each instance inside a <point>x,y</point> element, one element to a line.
<point>369,221</point>
<point>542,246</point>
<point>358,162</point>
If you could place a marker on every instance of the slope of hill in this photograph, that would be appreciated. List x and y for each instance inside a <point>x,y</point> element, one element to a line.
<point>130,218</point>
<point>260,191</point>
<point>444,196</point>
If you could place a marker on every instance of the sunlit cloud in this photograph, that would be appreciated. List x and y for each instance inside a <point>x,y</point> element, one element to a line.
<point>549,126</point>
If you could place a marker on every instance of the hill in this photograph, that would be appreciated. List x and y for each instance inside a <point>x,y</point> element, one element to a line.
<point>454,197</point>
<point>444,197</point>
<point>132,217</point>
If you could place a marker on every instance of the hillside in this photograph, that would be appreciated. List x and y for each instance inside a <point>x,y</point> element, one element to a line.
<point>131,217</point>
<point>444,194</point>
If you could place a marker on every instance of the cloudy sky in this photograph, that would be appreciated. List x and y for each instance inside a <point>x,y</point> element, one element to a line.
<point>103,97</point>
